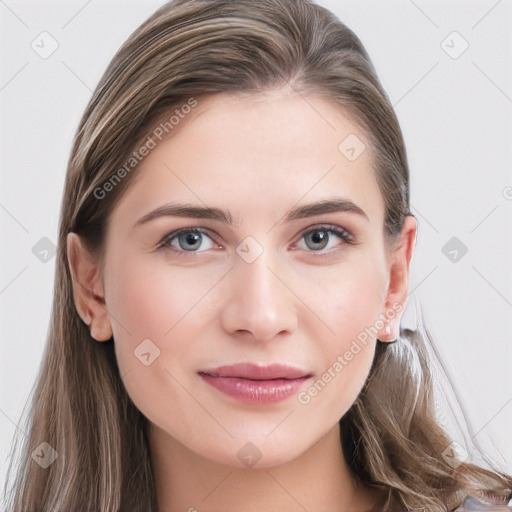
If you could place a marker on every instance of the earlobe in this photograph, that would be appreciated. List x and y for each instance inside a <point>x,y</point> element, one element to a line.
<point>88,293</point>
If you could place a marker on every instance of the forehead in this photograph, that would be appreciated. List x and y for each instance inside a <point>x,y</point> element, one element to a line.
<point>258,152</point>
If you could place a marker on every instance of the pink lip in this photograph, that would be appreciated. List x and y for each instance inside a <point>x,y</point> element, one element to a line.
<point>251,383</point>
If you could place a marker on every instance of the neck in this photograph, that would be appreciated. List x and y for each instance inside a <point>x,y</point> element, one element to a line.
<point>319,479</point>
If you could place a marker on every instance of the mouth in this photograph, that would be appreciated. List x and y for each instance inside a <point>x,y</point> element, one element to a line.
<point>253,384</point>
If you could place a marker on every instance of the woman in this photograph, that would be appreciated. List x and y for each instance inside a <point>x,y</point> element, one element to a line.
<point>233,264</point>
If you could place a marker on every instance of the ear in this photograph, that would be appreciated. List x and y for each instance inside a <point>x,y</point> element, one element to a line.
<point>88,292</point>
<point>398,287</point>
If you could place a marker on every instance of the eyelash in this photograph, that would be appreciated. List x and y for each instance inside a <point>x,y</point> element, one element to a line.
<point>165,243</point>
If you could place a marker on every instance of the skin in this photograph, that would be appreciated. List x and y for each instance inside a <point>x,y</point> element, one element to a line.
<point>256,156</point>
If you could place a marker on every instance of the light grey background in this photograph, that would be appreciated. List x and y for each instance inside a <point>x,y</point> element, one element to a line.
<point>456,116</point>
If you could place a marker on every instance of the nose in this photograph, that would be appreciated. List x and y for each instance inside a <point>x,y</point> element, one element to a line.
<point>260,304</point>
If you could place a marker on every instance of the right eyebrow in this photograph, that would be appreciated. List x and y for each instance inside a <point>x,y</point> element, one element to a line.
<point>186,210</point>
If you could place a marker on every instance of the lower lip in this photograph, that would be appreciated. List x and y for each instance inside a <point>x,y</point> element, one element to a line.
<point>255,391</point>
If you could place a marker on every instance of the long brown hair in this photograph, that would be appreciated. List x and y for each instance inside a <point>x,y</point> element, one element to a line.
<point>391,435</point>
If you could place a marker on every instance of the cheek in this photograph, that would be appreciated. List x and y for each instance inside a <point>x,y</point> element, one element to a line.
<point>349,300</point>
<point>155,303</point>
<point>150,298</point>
<point>347,354</point>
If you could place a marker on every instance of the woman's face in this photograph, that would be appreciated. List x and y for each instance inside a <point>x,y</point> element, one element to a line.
<point>258,281</point>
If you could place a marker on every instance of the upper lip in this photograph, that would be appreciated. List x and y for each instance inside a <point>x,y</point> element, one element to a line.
<point>256,372</point>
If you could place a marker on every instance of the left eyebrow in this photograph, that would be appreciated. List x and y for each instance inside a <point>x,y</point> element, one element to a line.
<point>332,205</point>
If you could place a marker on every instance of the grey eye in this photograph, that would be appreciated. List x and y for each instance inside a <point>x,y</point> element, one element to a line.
<point>188,240</point>
<point>318,239</point>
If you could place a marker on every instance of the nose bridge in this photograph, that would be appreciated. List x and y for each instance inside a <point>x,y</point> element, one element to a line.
<point>255,266</point>
<point>259,279</point>
<point>259,302</point>
<point>258,284</point>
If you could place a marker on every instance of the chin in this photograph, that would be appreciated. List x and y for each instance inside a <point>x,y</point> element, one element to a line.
<point>254,455</point>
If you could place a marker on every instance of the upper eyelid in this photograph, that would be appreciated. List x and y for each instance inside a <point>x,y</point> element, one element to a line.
<point>173,234</point>
<point>326,227</point>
